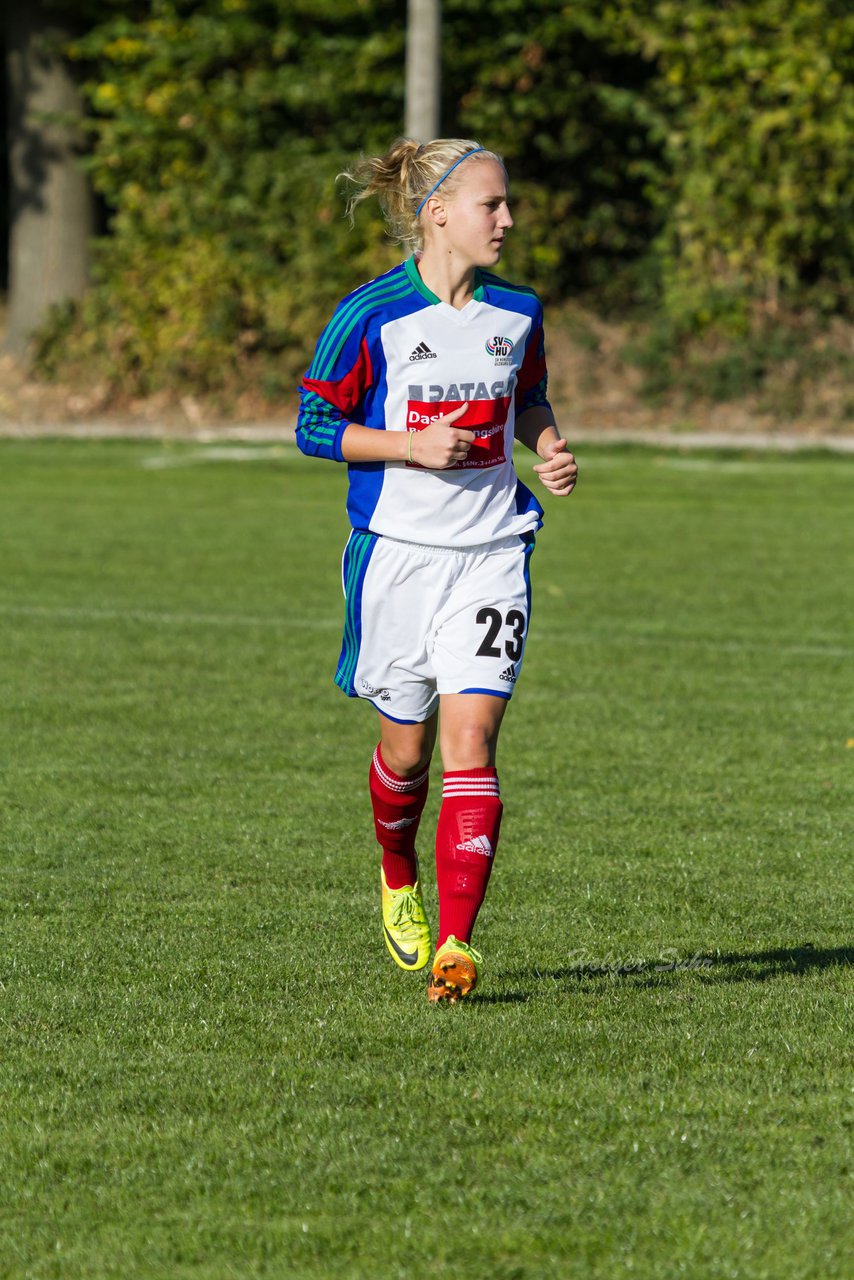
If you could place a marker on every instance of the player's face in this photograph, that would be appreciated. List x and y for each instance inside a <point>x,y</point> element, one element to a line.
<point>478,217</point>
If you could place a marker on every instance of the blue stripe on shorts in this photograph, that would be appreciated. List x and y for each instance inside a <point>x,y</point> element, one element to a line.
<point>357,557</point>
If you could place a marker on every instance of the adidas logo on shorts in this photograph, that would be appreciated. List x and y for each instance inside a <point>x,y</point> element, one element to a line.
<point>423,352</point>
<point>508,674</point>
<point>478,844</point>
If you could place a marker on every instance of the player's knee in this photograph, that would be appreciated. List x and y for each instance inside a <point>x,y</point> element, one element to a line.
<point>472,745</point>
<point>406,760</point>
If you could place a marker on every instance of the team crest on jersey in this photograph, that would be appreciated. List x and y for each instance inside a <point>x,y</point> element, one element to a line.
<point>501,349</point>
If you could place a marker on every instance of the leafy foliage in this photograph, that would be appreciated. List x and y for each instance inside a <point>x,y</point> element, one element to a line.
<point>216,144</point>
<point>694,154</point>
<point>759,103</point>
<point>566,100</point>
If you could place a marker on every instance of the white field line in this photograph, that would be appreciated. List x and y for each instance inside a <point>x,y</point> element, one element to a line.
<point>170,618</point>
<point>733,466</point>
<point>282,431</point>
<point>761,463</point>
<point>166,618</point>
<point>758,442</point>
<point>215,453</point>
<point>630,640</point>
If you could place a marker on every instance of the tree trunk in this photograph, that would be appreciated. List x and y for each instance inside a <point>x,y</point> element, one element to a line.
<point>423,68</point>
<point>51,206</point>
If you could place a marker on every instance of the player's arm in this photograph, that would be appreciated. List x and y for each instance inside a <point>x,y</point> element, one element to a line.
<point>535,427</point>
<point>535,424</point>
<point>438,446</point>
<point>332,395</point>
<point>536,430</point>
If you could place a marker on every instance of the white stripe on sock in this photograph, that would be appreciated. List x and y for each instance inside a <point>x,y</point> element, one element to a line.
<point>394,783</point>
<point>486,785</point>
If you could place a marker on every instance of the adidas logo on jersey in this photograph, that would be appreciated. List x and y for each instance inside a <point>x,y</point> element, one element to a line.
<point>423,352</point>
<point>477,844</point>
<point>508,674</point>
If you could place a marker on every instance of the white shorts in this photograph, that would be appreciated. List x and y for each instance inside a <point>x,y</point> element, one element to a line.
<point>421,621</point>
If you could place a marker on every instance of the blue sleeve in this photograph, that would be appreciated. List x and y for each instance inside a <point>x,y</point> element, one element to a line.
<point>333,390</point>
<point>532,387</point>
<point>320,426</point>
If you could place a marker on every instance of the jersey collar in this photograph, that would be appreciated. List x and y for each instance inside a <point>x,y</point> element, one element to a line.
<point>411,268</point>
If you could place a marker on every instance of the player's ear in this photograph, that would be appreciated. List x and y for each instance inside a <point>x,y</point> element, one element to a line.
<point>436,211</point>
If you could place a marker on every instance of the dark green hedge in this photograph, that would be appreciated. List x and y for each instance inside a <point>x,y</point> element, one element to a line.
<point>697,154</point>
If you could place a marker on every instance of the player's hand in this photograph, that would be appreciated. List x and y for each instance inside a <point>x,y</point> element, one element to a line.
<point>442,444</point>
<point>559,470</point>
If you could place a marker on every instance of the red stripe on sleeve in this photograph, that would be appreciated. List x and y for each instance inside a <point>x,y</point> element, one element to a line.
<point>348,392</point>
<point>534,364</point>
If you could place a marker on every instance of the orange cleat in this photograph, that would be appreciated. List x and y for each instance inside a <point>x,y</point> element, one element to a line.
<point>455,971</point>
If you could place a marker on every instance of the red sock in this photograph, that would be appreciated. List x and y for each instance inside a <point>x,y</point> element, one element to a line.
<point>398,804</point>
<point>466,840</point>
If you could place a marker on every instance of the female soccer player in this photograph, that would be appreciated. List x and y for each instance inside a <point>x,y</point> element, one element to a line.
<point>420,382</point>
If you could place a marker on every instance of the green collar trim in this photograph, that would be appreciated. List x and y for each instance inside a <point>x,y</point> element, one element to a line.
<point>411,269</point>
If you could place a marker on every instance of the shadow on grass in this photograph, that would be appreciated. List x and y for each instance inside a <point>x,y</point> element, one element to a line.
<point>788,959</point>
<point>505,997</point>
<point>746,966</point>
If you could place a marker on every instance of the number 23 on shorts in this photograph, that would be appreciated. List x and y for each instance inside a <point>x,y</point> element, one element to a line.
<point>504,636</point>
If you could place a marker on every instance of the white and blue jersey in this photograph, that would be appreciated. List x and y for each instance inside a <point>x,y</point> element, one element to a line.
<point>394,357</point>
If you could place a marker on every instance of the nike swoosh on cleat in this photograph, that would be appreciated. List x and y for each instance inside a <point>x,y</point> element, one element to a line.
<point>408,957</point>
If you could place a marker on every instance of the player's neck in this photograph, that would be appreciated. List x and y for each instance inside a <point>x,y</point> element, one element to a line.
<point>451,281</point>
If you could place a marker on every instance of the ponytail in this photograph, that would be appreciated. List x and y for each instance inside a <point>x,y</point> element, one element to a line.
<point>403,177</point>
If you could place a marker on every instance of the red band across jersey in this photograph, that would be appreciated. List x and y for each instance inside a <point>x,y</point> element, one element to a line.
<point>486,418</point>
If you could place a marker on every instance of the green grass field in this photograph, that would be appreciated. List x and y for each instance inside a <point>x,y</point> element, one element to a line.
<point>210,1068</point>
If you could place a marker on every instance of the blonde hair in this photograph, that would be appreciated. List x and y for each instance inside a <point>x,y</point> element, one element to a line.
<point>402,177</point>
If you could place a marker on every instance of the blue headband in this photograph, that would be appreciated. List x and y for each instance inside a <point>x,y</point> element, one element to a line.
<point>445,175</point>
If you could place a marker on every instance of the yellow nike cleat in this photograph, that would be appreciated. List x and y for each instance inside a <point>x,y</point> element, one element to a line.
<point>405,926</point>
<point>455,971</point>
